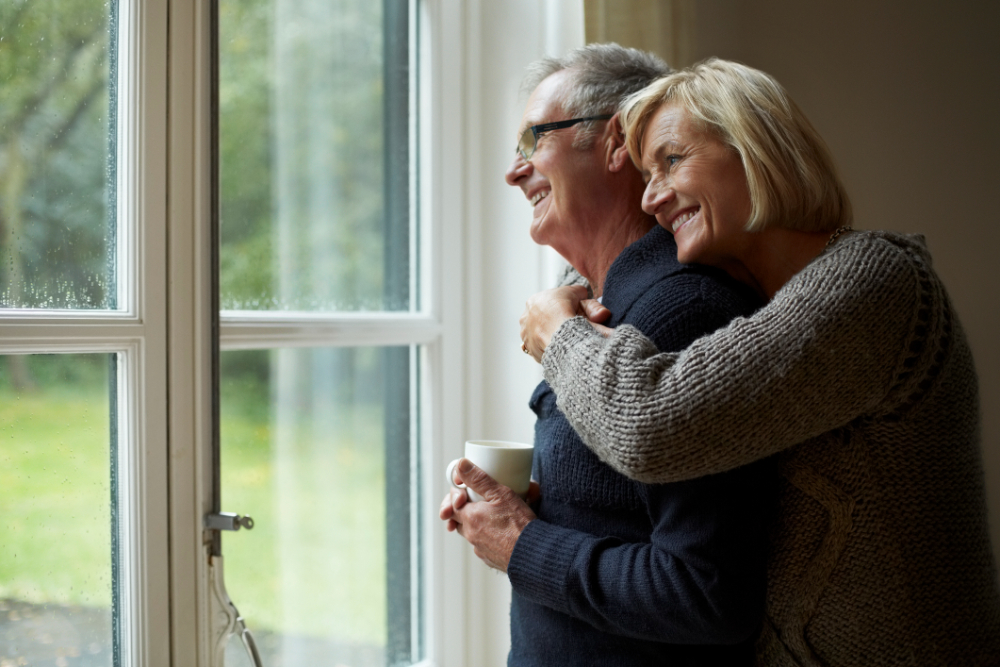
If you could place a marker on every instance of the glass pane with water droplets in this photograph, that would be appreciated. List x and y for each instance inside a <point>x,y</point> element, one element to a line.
<point>57,155</point>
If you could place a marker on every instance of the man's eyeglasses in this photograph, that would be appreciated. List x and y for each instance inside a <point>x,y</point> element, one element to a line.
<point>529,140</point>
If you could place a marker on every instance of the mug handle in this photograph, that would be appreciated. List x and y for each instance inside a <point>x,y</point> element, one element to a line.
<point>450,472</point>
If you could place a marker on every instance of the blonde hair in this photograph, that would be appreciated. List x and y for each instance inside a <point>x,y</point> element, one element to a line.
<point>790,174</point>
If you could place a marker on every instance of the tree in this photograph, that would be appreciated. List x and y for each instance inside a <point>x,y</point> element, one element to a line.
<point>54,129</point>
<point>55,135</point>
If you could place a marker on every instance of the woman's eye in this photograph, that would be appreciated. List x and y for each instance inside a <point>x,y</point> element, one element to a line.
<point>672,160</point>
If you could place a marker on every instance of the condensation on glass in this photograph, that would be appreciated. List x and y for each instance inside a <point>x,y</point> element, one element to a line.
<point>314,156</point>
<point>316,447</point>
<point>57,559</point>
<point>57,151</point>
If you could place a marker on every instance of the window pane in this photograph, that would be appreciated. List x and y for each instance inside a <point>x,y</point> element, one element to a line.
<point>57,226</point>
<point>55,511</point>
<point>314,155</point>
<point>316,448</point>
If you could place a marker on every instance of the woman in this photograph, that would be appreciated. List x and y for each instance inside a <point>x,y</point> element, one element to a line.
<point>856,374</point>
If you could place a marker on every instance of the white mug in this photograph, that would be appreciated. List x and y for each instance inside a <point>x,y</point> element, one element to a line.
<point>509,463</point>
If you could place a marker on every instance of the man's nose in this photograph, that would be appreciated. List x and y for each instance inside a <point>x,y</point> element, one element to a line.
<point>518,169</point>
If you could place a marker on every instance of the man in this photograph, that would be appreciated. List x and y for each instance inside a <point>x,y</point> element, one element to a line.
<point>605,570</point>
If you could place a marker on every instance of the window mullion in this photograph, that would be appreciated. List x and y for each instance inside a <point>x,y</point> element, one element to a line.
<point>261,334</point>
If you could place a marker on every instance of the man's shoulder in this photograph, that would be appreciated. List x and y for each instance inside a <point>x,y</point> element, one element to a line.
<point>694,289</point>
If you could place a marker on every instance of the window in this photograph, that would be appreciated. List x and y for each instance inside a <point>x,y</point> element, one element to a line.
<point>341,350</point>
<point>322,328</point>
<point>81,345</point>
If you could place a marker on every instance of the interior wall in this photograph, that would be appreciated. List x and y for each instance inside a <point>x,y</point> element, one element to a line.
<point>907,94</point>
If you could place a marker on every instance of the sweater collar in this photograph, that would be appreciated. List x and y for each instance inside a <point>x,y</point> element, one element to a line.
<point>643,263</point>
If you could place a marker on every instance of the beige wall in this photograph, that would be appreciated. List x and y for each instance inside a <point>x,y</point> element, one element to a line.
<point>907,94</point>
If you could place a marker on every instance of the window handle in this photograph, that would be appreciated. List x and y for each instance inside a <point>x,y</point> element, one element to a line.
<point>227,521</point>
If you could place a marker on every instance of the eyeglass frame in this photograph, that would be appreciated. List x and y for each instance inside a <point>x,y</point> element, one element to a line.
<point>542,128</point>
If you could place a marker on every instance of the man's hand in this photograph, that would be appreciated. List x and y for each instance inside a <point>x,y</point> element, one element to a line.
<point>493,525</point>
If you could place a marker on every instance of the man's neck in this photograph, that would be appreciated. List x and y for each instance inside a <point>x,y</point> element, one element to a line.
<point>605,249</point>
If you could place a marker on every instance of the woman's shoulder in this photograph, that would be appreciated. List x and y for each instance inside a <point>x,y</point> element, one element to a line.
<point>863,261</point>
<point>880,246</point>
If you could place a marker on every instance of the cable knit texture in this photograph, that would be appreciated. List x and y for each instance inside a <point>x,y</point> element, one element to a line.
<point>615,572</point>
<point>858,375</point>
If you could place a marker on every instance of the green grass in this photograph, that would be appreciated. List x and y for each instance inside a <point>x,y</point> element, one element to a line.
<point>55,497</point>
<point>313,565</point>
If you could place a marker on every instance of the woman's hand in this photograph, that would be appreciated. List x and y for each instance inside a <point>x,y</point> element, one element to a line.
<point>545,312</point>
<point>493,525</point>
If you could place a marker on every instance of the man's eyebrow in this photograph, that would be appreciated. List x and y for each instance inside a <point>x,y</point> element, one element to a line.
<point>524,126</point>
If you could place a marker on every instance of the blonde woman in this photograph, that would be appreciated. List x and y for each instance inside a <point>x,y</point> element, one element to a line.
<point>856,376</point>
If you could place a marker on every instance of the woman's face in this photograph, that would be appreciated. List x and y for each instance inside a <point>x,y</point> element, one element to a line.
<point>696,187</point>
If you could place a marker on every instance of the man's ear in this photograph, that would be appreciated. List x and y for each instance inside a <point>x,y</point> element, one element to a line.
<point>618,156</point>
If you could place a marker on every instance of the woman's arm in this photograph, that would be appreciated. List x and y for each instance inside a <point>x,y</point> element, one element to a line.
<point>827,349</point>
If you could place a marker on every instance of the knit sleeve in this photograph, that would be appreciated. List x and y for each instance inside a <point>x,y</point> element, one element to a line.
<point>827,349</point>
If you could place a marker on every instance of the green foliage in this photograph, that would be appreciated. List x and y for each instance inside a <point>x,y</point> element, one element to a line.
<point>302,155</point>
<point>245,149</point>
<point>55,239</point>
<point>313,565</point>
<point>302,165</point>
<point>302,205</point>
<point>56,374</point>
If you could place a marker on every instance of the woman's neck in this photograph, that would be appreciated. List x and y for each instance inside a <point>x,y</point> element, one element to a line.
<point>772,256</point>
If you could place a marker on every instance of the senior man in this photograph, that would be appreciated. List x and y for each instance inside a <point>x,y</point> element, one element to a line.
<point>605,570</point>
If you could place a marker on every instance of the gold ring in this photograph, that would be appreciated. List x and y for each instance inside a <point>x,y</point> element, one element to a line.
<point>524,347</point>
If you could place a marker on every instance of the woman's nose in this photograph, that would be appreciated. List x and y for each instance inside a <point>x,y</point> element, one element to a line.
<point>655,196</point>
<point>518,169</point>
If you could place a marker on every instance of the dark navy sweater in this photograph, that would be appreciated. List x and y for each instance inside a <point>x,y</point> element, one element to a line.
<point>614,572</point>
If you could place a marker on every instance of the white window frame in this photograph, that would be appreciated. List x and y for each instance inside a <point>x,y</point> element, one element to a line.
<point>468,113</point>
<point>136,333</point>
<point>438,328</point>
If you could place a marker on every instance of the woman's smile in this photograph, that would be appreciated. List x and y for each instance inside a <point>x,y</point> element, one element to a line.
<point>682,219</point>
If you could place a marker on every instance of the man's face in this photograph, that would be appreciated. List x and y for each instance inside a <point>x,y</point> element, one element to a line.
<point>561,182</point>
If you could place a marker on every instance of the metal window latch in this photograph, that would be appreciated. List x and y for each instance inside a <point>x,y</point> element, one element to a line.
<point>227,521</point>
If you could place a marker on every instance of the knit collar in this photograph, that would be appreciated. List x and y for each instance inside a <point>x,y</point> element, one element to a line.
<point>643,263</point>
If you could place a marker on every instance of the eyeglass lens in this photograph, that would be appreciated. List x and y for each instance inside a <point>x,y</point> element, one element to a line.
<point>526,144</point>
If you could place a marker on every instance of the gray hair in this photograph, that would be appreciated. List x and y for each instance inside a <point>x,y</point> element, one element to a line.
<point>604,75</point>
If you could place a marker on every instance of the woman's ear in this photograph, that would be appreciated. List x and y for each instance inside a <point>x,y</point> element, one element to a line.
<point>618,156</point>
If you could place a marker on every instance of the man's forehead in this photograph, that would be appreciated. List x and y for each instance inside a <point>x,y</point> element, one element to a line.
<point>546,102</point>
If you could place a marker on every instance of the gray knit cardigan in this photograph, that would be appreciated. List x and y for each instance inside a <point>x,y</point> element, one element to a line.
<point>858,377</point>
